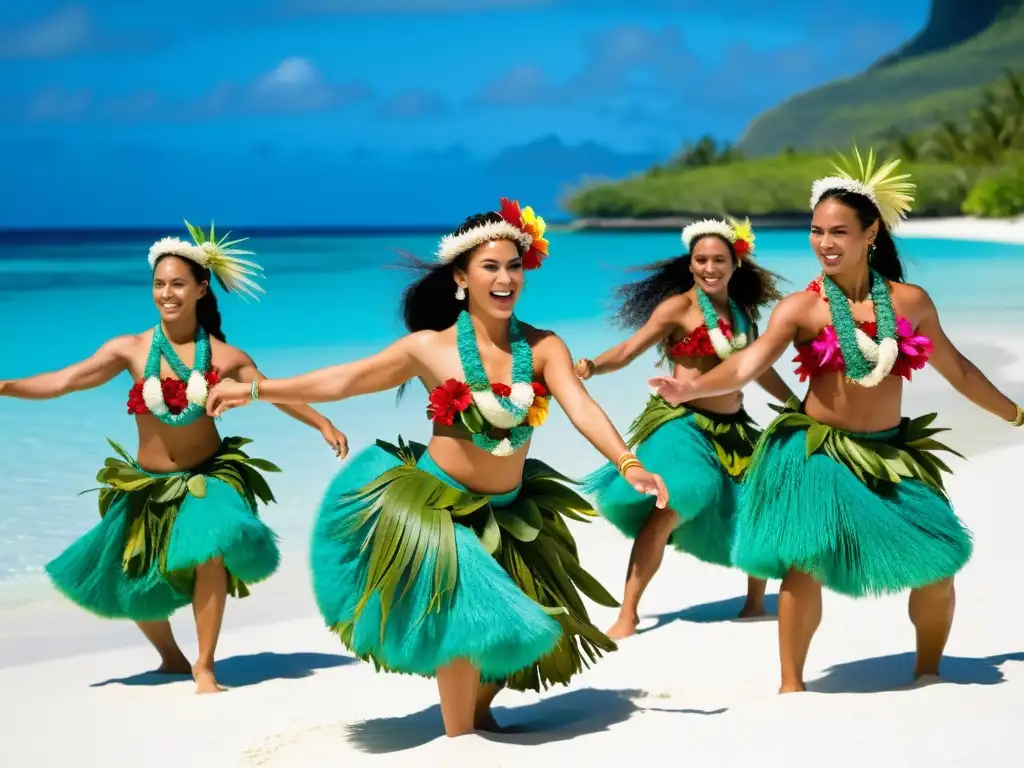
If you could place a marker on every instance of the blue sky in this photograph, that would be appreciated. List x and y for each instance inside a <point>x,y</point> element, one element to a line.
<point>132,112</point>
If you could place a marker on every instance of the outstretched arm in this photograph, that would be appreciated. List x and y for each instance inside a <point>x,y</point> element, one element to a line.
<point>103,365</point>
<point>960,372</point>
<point>247,372</point>
<point>744,366</point>
<point>661,323</point>
<point>589,418</point>
<point>385,370</point>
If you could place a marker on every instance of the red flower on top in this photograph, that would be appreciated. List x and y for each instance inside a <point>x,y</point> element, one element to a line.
<point>174,394</point>
<point>448,401</point>
<point>501,390</point>
<point>539,390</point>
<point>742,247</point>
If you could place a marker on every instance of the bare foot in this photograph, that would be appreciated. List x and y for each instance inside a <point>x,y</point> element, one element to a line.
<point>792,688</point>
<point>622,628</point>
<point>752,609</point>
<point>205,681</point>
<point>177,666</point>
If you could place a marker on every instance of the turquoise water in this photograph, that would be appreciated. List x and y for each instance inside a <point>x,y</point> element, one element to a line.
<point>331,299</point>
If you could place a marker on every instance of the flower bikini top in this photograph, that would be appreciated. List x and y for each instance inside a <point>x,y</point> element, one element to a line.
<point>697,343</point>
<point>823,354</point>
<point>180,401</point>
<point>500,417</point>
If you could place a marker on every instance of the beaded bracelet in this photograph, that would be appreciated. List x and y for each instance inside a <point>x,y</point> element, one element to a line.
<point>254,393</point>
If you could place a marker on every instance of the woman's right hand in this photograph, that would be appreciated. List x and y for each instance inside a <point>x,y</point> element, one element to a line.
<point>227,394</point>
<point>673,390</point>
<point>584,368</point>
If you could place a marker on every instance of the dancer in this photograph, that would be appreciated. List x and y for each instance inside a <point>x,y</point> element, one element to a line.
<point>179,522</point>
<point>701,307</point>
<point>842,491</point>
<point>454,559</point>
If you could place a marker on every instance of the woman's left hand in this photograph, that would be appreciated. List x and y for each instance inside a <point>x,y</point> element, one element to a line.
<point>227,394</point>
<point>672,390</point>
<point>647,482</point>
<point>336,439</point>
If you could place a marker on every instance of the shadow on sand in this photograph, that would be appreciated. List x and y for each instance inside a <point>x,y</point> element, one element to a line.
<point>561,717</point>
<point>252,669</point>
<point>720,610</point>
<point>893,673</point>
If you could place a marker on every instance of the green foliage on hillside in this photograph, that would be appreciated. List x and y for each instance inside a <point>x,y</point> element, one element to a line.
<point>907,95</point>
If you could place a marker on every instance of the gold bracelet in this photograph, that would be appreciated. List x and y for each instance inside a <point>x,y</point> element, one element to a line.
<point>627,456</point>
<point>1018,420</point>
<point>629,464</point>
<point>254,392</point>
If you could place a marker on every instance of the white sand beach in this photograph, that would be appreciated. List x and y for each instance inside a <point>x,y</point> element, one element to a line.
<point>966,228</point>
<point>694,687</point>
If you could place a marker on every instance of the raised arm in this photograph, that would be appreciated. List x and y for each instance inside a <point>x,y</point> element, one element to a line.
<point>589,418</point>
<point>247,372</point>
<point>745,366</point>
<point>661,323</point>
<point>96,370</point>
<point>385,370</point>
<point>961,373</point>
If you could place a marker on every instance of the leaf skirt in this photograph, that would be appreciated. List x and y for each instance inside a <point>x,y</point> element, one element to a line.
<point>139,561</point>
<point>702,457</point>
<point>413,571</point>
<point>862,513</point>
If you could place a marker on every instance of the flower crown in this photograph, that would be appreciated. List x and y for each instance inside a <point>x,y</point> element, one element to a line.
<point>739,233</point>
<point>235,275</point>
<point>520,225</point>
<point>891,193</point>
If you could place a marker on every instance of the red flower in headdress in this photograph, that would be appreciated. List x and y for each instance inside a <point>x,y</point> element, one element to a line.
<point>525,220</point>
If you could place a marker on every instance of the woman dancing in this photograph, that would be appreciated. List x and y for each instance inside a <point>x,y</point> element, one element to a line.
<point>454,559</point>
<point>842,491</point>
<point>702,307</point>
<point>179,522</point>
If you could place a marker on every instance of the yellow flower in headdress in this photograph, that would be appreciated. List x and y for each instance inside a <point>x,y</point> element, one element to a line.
<point>535,226</point>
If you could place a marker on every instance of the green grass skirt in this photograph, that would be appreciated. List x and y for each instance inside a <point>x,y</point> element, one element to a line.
<point>862,513</point>
<point>413,571</point>
<point>702,458</point>
<point>139,561</point>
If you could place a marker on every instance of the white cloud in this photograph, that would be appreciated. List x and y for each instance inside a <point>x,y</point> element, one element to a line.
<point>296,85</point>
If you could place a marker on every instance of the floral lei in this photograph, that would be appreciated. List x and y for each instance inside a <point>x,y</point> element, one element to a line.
<point>196,387</point>
<point>868,362</point>
<point>479,404</point>
<point>724,347</point>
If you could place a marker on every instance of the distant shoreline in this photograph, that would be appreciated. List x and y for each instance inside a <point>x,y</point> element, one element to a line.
<point>953,228</point>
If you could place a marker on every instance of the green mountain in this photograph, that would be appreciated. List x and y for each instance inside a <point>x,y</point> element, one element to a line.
<point>966,45</point>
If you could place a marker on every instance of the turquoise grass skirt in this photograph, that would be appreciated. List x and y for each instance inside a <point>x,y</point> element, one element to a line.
<point>488,621</point>
<point>814,515</point>
<point>91,572</point>
<point>701,492</point>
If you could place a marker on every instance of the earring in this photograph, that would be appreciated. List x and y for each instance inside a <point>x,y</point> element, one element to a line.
<point>871,251</point>
<point>460,293</point>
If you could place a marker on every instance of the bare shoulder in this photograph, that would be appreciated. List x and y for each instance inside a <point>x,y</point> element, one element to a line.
<point>419,343</point>
<point>908,293</point>
<point>676,305</point>
<point>545,343</point>
<point>796,303</point>
<point>129,344</point>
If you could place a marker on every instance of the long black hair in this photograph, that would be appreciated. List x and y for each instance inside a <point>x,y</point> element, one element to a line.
<point>750,286</point>
<point>207,311</point>
<point>885,259</point>
<point>430,303</point>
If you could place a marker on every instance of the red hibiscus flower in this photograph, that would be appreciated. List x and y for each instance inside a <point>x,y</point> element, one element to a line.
<point>742,247</point>
<point>501,390</point>
<point>448,401</point>
<point>539,390</point>
<point>212,377</point>
<point>174,395</point>
<point>136,405</point>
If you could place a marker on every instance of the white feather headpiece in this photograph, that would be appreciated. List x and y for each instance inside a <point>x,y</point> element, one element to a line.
<point>234,274</point>
<point>891,193</point>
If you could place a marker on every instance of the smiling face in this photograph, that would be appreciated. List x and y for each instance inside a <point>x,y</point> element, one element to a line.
<point>712,264</point>
<point>175,289</point>
<point>839,239</point>
<point>493,279</point>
